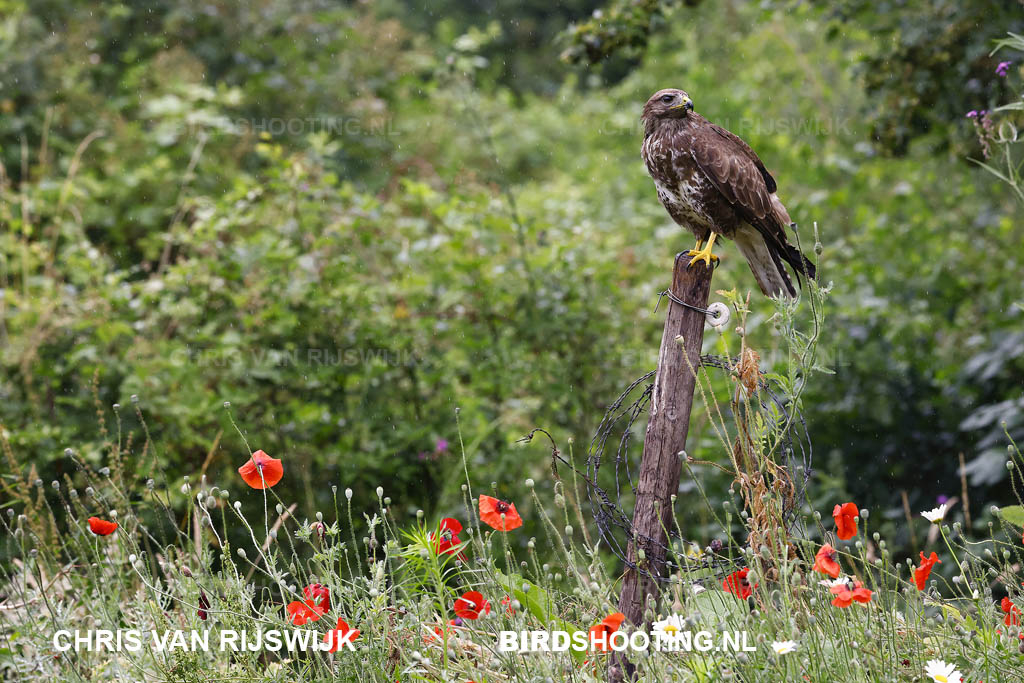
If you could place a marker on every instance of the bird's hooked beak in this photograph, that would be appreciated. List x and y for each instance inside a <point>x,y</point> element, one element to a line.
<point>686,104</point>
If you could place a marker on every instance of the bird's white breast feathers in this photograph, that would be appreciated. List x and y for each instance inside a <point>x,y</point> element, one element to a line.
<point>684,199</point>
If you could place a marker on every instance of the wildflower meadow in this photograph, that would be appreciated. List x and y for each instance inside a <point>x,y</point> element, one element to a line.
<point>329,342</point>
<point>374,594</point>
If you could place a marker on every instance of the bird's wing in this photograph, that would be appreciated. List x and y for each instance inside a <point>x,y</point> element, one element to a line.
<point>734,169</point>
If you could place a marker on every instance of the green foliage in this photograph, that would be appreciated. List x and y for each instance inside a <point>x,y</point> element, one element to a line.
<point>928,65</point>
<point>933,65</point>
<point>436,219</point>
<point>620,27</point>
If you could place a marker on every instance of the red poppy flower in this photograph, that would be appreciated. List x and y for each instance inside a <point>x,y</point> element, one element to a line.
<point>737,584</point>
<point>204,605</point>
<point>921,573</point>
<point>826,561</point>
<point>846,523</point>
<point>447,632</point>
<point>447,538</point>
<point>507,604</point>
<point>302,612</point>
<point>850,592</point>
<point>491,510</point>
<point>600,634</point>
<point>319,595</point>
<point>261,471</point>
<point>471,605</point>
<point>101,527</point>
<point>341,636</point>
<point>1012,612</point>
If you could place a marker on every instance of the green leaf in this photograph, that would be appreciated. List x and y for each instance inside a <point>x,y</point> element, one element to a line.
<point>1014,514</point>
<point>540,604</point>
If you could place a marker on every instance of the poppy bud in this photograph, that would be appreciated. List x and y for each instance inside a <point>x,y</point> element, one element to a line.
<point>186,571</point>
<point>204,605</point>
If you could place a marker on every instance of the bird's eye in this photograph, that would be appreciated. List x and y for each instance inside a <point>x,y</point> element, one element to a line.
<point>667,98</point>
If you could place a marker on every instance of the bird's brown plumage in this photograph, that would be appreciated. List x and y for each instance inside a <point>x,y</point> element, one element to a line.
<point>709,180</point>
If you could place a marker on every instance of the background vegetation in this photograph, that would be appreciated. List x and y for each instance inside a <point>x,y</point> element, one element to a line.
<point>350,220</point>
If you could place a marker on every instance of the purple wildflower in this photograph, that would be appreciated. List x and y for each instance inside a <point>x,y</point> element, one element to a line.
<point>972,114</point>
<point>442,445</point>
<point>942,499</point>
<point>1003,69</point>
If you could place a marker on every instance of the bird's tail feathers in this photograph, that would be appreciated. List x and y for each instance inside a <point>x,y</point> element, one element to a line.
<point>800,263</point>
<point>787,251</point>
<point>765,263</point>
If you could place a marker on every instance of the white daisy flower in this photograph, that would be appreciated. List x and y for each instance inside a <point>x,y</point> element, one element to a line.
<point>838,581</point>
<point>940,672</point>
<point>784,647</point>
<point>669,628</point>
<point>935,516</point>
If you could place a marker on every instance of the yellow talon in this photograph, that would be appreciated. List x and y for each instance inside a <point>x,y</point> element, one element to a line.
<point>703,254</point>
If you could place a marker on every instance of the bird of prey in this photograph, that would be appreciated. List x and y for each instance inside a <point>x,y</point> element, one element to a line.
<point>712,183</point>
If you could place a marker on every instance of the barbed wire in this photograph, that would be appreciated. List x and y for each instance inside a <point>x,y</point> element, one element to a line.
<point>608,459</point>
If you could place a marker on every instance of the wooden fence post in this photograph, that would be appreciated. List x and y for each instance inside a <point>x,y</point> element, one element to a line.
<point>660,466</point>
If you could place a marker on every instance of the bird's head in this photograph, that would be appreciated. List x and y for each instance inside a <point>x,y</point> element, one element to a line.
<point>669,103</point>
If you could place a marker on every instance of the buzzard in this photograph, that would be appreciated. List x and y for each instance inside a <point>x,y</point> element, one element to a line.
<point>712,183</point>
